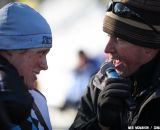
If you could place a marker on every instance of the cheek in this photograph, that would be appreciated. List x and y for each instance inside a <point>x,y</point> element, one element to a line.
<point>132,60</point>
<point>33,61</point>
<point>129,54</point>
<point>27,68</point>
<point>23,70</point>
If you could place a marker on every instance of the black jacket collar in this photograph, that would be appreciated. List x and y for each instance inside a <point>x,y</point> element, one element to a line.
<point>146,75</point>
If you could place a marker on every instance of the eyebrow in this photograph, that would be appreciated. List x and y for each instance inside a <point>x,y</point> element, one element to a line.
<point>44,50</point>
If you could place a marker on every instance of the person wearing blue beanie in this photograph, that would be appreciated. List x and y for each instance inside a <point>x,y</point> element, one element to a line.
<point>25,40</point>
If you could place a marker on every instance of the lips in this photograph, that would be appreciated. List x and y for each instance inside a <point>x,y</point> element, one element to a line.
<point>35,73</point>
<point>117,62</point>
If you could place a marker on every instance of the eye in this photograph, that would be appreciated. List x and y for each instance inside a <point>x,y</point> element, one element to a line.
<point>120,40</point>
<point>42,53</point>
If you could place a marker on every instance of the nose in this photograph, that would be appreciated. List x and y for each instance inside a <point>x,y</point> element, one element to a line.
<point>110,45</point>
<point>44,65</point>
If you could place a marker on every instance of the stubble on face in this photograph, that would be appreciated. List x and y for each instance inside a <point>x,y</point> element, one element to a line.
<point>127,57</point>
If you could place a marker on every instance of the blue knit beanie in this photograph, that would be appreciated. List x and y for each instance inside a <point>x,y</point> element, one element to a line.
<point>21,27</point>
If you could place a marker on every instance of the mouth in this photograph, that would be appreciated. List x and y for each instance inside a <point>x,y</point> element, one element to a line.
<point>116,63</point>
<point>35,73</point>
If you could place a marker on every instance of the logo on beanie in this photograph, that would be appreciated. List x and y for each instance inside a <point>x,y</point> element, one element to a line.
<point>47,40</point>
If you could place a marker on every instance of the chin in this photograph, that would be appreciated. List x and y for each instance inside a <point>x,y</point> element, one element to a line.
<point>123,71</point>
<point>123,74</point>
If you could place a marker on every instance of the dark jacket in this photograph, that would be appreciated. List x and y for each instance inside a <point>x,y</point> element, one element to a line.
<point>20,108</point>
<point>15,100</point>
<point>144,103</point>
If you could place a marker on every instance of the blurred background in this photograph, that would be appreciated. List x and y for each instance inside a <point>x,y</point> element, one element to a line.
<point>78,51</point>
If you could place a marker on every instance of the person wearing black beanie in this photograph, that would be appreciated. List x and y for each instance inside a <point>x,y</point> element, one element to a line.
<point>131,99</point>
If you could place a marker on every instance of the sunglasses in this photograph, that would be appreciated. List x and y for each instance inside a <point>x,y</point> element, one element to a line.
<point>124,11</point>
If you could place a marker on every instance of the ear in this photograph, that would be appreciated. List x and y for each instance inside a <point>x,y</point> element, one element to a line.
<point>148,50</point>
<point>7,54</point>
<point>151,52</point>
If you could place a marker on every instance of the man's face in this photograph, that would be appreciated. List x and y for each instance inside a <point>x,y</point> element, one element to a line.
<point>29,63</point>
<point>126,57</point>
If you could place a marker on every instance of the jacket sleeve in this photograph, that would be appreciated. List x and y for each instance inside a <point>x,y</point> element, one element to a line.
<point>86,118</point>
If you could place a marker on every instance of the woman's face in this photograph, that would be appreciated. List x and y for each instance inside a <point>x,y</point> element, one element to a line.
<point>29,63</point>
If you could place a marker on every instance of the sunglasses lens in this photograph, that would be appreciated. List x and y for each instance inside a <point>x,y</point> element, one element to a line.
<point>124,11</point>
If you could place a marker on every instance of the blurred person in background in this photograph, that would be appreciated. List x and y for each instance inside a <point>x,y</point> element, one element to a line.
<point>132,98</point>
<point>86,66</point>
<point>25,40</point>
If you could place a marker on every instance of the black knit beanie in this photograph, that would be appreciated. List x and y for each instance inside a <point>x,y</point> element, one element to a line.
<point>136,21</point>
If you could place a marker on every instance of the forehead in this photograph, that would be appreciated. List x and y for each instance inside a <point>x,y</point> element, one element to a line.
<point>30,51</point>
<point>39,50</point>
